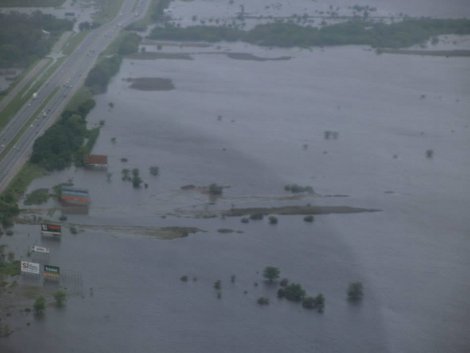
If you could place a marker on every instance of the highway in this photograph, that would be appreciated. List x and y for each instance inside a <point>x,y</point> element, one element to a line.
<point>30,122</point>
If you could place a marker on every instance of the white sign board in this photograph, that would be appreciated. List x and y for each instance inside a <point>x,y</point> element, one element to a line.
<point>30,267</point>
<point>40,249</point>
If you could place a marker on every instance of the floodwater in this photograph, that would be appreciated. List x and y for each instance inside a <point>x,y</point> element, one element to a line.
<point>412,257</point>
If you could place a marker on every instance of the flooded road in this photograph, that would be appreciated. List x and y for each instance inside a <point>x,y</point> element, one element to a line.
<point>255,126</point>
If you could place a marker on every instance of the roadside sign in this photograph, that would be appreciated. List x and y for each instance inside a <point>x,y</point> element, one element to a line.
<point>51,272</point>
<point>40,249</point>
<point>30,267</point>
<point>51,229</point>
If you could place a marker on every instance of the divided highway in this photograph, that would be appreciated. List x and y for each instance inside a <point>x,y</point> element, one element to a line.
<point>54,94</point>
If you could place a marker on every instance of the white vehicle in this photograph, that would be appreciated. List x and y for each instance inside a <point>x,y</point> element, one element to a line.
<point>35,94</point>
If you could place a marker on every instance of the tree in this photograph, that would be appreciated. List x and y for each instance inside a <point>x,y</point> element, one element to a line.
<point>355,291</point>
<point>293,292</point>
<point>39,305</point>
<point>60,296</point>
<point>271,273</point>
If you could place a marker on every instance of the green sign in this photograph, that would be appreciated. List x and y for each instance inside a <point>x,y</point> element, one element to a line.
<point>51,269</point>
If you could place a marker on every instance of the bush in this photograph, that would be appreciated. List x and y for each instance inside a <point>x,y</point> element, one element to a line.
<point>295,189</point>
<point>317,303</point>
<point>60,296</point>
<point>215,189</point>
<point>293,292</point>
<point>272,220</point>
<point>39,305</point>
<point>308,219</point>
<point>263,301</point>
<point>37,197</point>
<point>355,291</point>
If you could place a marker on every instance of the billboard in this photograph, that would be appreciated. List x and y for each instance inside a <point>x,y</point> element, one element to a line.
<point>30,267</point>
<point>51,272</point>
<point>52,229</point>
<point>40,249</point>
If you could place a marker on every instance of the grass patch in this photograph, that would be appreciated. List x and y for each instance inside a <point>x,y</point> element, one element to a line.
<point>74,42</point>
<point>10,268</point>
<point>21,181</point>
<point>37,197</point>
<point>108,9</point>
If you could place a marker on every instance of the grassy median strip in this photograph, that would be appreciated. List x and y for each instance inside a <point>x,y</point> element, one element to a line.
<point>108,10</point>
<point>74,42</point>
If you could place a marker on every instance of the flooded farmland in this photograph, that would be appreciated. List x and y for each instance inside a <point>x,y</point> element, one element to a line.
<point>353,125</point>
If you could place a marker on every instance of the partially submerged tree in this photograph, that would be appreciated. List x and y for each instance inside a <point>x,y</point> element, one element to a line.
<point>355,291</point>
<point>271,273</point>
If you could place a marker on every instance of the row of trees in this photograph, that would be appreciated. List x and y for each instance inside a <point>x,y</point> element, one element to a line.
<point>408,32</point>
<point>25,38</point>
<point>296,293</point>
<point>98,78</point>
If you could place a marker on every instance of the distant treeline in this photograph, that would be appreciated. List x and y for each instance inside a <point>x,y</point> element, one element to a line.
<point>30,3</point>
<point>99,77</point>
<point>402,34</point>
<point>25,38</point>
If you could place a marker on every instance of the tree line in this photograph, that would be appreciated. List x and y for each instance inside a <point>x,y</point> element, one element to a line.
<point>405,33</point>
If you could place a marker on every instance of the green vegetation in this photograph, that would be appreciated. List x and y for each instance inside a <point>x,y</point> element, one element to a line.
<point>37,197</point>
<point>153,14</point>
<point>271,273</point>
<point>8,199</point>
<point>99,77</point>
<point>317,303</point>
<point>8,265</point>
<point>25,38</point>
<point>39,305</point>
<point>408,32</point>
<point>272,220</point>
<point>256,216</point>
<point>263,301</point>
<point>215,189</point>
<point>218,285</point>
<point>296,189</point>
<point>60,296</point>
<point>8,209</point>
<point>154,170</point>
<point>108,66</point>
<point>31,3</point>
<point>65,141</point>
<point>156,10</point>
<point>5,330</point>
<point>293,292</point>
<point>309,219</point>
<point>74,42</point>
<point>355,291</point>
<point>136,179</point>
<point>108,9</point>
